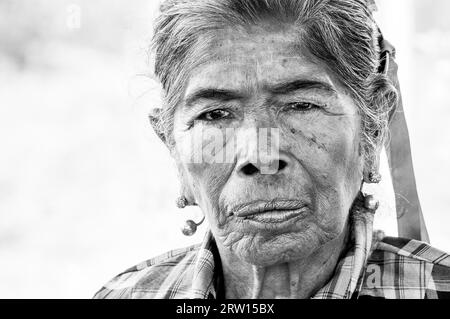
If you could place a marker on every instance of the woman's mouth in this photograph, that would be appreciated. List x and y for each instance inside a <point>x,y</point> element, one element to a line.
<point>273,211</point>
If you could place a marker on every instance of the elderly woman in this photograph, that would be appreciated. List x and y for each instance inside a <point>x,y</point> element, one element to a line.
<point>276,112</point>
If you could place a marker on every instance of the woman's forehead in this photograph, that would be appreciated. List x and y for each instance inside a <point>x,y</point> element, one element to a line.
<point>246,61</point>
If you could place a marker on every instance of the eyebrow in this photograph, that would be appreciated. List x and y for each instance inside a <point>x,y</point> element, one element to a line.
<point>212,94</point>
<point>297,85</point>
<point>224,95</point>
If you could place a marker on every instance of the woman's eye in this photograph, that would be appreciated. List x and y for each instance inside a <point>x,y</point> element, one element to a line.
<point>214,115</point>
<point>302,106</point>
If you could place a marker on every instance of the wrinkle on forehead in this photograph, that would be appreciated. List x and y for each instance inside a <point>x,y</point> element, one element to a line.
<point>245,61</point>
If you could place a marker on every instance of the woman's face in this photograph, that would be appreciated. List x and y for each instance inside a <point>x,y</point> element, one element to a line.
<point>268,207</point>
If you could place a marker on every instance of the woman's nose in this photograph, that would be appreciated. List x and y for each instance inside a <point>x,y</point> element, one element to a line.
<point>272,167</point>
<point>258,151</point>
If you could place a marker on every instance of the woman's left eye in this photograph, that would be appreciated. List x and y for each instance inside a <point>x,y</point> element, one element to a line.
<point>301,106</point>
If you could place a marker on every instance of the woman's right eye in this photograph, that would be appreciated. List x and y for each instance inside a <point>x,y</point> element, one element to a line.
<point>214,115</point>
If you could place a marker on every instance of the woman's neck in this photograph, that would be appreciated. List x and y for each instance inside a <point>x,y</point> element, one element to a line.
<point>297,279</point>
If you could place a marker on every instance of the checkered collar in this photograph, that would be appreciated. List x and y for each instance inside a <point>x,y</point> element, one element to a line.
<point>207,277</point>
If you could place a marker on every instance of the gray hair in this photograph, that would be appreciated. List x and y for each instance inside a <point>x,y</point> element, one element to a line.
<point>341,33</point>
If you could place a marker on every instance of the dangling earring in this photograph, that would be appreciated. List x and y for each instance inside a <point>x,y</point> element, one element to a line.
<point>371,203</point>
<point>189,227</point>
<point>365,203</point>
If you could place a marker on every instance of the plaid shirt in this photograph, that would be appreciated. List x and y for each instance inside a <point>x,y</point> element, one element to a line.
<point>396,269</point>
<point>389,268</point>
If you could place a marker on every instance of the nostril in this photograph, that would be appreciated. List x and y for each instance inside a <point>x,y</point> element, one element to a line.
<point>249,169</point>
<point>281,165</point>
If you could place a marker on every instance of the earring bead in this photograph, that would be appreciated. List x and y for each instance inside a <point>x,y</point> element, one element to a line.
<point>189,228</point>
<point>182,202</point>
<point>371,203</point>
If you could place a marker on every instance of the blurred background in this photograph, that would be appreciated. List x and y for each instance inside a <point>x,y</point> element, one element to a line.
<point>87,190</point>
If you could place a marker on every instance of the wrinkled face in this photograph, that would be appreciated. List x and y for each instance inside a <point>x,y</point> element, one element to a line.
<point>273,204</point>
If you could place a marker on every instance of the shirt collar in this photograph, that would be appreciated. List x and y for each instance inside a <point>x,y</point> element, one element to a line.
<point>207,279</point>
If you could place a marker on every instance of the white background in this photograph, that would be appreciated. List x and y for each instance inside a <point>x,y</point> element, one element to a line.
<point>87,190</point>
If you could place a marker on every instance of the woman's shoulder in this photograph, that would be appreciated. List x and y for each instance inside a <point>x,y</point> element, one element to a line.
<point>150,275</point>
<point>400,268</point>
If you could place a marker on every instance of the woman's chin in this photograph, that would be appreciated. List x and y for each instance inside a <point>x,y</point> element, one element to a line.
<point>283,248</point>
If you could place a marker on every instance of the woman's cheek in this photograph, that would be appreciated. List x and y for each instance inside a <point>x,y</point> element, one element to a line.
<point>330,143</point>
<point>209,177</point>
<point>329,158</point>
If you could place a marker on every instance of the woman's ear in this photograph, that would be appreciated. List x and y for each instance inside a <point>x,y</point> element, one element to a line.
<point>371,172</point>
<point>186,185</point>
<point>156,123</point>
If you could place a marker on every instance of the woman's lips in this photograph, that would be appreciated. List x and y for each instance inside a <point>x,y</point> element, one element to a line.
<point>274,211</point>
<point>274,217</point>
